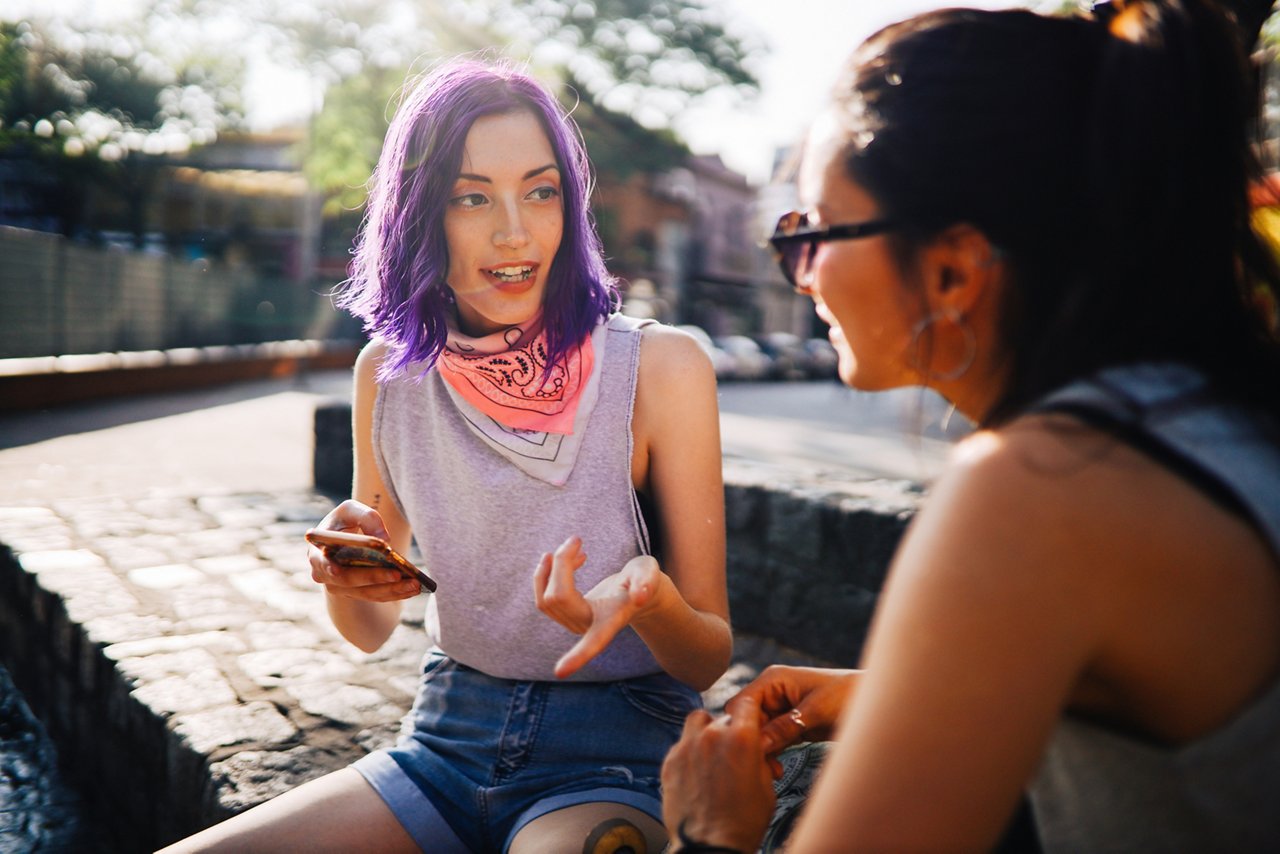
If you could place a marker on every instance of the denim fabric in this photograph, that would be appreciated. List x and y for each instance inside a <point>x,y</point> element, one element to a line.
<point>480,757</point>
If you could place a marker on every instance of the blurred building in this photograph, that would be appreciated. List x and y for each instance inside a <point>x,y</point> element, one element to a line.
<point>244,200</point>
<point>686,242</point>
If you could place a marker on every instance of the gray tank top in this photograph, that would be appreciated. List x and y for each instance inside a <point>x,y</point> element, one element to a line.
<point>482,522</point>
<point>1102,790</point>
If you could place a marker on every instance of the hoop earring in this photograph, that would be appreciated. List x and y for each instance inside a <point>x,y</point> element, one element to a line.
<point>970,344</point>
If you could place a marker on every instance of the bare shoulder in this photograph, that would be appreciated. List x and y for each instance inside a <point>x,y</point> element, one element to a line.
<point>371,355</point>
<point>1047,492</point>
<point>368,362</point>
<point>1051,491</point>
<point>675,389</point>
<point>670,354</point>
<point>1023,529</point>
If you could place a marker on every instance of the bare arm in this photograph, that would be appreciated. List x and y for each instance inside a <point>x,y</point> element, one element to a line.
<point>985,629</point>
<point>365,605</point>
<point>677,426</point>
<point>680,609</point>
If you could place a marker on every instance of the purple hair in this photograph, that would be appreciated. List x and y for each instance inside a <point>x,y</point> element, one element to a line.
<point>397,284</point>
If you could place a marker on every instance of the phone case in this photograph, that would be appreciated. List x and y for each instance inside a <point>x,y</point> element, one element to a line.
<point>362,550</point>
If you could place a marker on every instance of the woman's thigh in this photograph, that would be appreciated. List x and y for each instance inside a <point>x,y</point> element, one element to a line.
<point>339,812</point>
<point>593,828</point>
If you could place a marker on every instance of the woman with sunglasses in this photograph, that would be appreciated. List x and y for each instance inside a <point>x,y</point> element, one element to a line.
<point>1046,220</point>
<point>533,441</point>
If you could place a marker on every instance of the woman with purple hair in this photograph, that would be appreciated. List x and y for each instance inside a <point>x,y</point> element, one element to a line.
<point>531,440</point>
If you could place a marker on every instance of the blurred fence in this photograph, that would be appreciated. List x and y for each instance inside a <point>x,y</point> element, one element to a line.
<point>57,297</point>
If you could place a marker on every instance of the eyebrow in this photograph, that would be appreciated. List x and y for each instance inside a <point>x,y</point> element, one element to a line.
<point>470,176</point>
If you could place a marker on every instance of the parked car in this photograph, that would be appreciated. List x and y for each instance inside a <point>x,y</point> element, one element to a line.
<point>789,360</point>
<point>824,361</point>
<point>749,361</point>
<point>721,361</point>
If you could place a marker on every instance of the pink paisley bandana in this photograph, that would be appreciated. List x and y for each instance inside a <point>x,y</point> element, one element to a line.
<point>505,375</point>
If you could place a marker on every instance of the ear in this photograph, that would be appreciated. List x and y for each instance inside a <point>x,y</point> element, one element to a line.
<point>960,266</point>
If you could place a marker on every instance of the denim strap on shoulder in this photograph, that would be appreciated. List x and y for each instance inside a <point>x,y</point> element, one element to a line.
<point>1169,410</point>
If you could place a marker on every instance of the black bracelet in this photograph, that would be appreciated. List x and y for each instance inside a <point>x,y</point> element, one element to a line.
<point>693,846</point>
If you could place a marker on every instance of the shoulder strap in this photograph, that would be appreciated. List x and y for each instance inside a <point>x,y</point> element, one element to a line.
<point>1169,411</point>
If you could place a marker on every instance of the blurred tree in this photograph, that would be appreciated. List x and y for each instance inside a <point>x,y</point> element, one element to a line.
<point>645,58</point>
<point>347,137</point>
<point>640,58</point>
<point>98,109</point>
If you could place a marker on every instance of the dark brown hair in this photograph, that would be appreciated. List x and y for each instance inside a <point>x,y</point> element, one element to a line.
<point>1109,164</point>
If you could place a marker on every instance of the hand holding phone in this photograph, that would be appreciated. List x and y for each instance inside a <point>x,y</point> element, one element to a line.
<point>366,552</point>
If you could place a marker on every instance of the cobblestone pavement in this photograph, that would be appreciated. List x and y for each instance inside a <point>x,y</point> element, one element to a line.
<point>198,590</point>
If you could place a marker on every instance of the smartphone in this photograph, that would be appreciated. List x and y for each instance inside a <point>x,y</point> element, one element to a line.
<point>364,551</point>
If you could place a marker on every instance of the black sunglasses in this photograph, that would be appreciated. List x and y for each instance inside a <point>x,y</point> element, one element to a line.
<point>794,242</point>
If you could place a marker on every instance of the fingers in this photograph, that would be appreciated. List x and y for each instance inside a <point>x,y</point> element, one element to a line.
<point>694,722</point>
<point>745,724</point>
<point>602,631</point>
<point>783,730</point>
<point>366,583</point>
<point>369,584</point>
<point>793,703</point>
<point>716,783</point>
<point>541,575</point>
<point>774,691</point>
<point>643,576</point>
<point>559,597</point>
<point>352,515</point>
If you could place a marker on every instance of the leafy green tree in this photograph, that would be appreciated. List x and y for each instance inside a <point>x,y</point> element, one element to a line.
<point>640,58</point>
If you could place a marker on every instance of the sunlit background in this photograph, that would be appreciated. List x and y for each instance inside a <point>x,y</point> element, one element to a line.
<point>219,150</point>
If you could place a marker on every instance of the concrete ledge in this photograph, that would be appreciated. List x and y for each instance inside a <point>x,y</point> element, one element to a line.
<point>807,557</point>
<point>38,383</point>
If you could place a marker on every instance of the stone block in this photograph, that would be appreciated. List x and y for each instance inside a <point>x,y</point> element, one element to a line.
<point>279,634</point>
<point>295,667</point>
<point>251,777</point>
<point>167,577</point>
<point>211,641</point>
<point>118,628</point>
<point>208,610</point>
<point>859,541</point>
<point>258,724</point>
<point>62,635</point>
<point>354,705</point>
<point>228,564</point>
<point>332,458</point>
<point>835,627</point>
<point>744,508</point>
<point>378,738</point>
<point>202,689</point>
<point>794,525</point>
<point>178,807</point>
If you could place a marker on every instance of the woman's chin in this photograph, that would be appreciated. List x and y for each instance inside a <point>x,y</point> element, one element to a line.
<point>847,369</point>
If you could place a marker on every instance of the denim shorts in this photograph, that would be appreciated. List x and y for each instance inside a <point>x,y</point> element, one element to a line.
<point>481,757</point>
